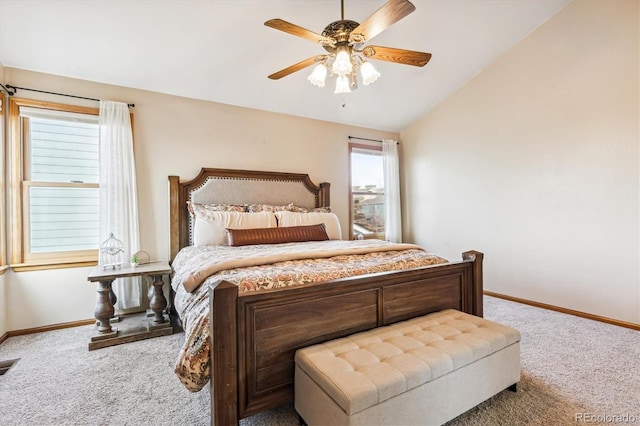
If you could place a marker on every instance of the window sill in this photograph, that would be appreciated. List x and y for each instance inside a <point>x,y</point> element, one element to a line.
<point>35,266</point>
<point>3,268</point>
<point>370,237</point>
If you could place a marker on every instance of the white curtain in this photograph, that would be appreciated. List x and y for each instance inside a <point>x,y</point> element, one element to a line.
<point>392,214</point>
<point>118,195</point>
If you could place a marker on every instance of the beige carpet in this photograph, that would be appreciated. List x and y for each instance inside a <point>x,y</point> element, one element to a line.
<point>574,371</point>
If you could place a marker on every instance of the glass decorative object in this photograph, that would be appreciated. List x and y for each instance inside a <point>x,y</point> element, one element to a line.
<point>111,253</point>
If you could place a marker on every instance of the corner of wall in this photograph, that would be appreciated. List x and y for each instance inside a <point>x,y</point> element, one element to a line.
<point>3,307</point>
<point>3,304</point>
<point>3,299</point>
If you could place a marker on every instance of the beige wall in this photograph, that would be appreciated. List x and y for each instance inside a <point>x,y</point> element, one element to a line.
<point>3,303</point>
<point>535,162</point>
<point>3,307</point>
<point>179,136</point>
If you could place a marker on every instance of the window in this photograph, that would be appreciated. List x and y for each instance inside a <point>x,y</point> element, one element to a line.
<point>367,191</point>
<point>55,198</point>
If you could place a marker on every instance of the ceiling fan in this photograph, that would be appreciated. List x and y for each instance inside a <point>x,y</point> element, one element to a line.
<point>344,41</point>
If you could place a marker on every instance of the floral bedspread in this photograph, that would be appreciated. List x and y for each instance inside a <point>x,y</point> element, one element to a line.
<point>192,366</point>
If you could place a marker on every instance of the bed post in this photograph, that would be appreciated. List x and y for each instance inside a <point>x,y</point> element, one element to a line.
<point>476,257</point>
<point>174,216</point>
<point>223,299</point>
<point>324,195</point>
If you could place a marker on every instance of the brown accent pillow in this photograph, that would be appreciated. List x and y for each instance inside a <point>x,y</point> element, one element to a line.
<point>285,234</point>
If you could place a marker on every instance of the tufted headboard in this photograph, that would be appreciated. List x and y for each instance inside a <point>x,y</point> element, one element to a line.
<point>228,186</point>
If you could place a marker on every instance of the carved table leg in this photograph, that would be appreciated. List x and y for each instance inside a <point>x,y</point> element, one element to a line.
<point>104,308</point>
<point>158,302</point>
<point>112,296</point>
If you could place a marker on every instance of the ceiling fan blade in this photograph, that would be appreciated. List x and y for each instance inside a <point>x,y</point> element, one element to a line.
<point>390,13</point>
<point>296,30</point>
<point>297,67</point>
<point>401,56</point>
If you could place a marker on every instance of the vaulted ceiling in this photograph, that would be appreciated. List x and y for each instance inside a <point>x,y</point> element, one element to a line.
<point>221,51</point>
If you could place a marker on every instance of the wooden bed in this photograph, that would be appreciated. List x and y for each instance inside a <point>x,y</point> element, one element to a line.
<point>257,334</point>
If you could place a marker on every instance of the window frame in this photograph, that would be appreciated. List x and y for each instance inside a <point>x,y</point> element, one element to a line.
<point>20,258</point>
<point>360,146</point>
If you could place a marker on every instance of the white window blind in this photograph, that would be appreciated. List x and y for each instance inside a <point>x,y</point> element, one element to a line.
<point>63,219</point>
<point>64,151</point>
<point>62,194</point>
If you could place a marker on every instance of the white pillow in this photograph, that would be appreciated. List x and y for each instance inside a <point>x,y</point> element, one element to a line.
<point>209,228</point>
<point>330,221</point>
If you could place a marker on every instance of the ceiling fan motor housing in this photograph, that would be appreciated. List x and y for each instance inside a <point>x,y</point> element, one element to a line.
<point>338,31</point>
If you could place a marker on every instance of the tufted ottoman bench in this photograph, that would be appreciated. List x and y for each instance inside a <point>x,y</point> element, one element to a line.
<point>423,371</point>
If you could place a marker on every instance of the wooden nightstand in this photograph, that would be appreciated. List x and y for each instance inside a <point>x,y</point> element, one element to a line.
<point>137,329</point>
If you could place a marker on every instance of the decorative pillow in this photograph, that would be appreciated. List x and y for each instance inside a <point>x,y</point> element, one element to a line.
<point>209,226</point>
<point>288,234</point>
<point>192,207</point>
<point>326,209</point>
<point>294,208</point>
<point>255,208</point>
<point>330,220</point>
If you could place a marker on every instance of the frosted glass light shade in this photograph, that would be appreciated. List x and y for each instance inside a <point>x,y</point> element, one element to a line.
<point>342,85</point>
<point>342,65</point>
<point>318,75</point>
<point>369,73</point>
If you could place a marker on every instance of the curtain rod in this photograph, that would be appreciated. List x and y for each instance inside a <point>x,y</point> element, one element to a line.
<point>367,139</point>
<point>9,92</point>
<point>15,88</point>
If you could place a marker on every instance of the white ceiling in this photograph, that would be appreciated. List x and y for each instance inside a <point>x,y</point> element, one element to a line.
<point>220,50</point>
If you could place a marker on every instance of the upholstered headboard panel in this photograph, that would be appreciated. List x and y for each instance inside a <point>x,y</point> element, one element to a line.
<point>222,190</point>
<point>226,186</point>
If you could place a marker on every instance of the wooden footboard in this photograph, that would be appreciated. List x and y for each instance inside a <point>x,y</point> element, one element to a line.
<point>255,336</point>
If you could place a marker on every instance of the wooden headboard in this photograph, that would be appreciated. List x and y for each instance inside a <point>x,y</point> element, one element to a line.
<point>228,186</point>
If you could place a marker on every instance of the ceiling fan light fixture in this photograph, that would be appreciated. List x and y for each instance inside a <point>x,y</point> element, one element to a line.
<point>344,40</point>
<point>369,73</point>
<point>342,65</point>
<point>318,76</point>
<point>342,85</point>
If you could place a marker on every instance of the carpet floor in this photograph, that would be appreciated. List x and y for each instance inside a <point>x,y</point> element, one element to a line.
<point>574,371</point>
